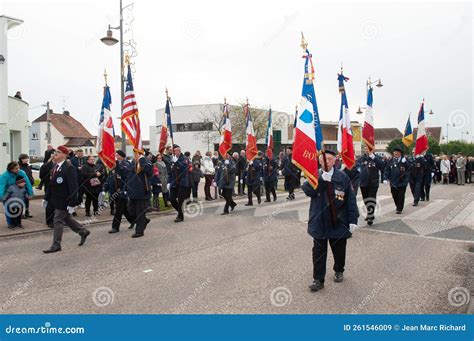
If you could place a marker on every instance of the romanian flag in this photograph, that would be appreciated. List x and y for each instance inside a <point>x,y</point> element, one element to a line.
<point>308,134</point>
<point>368,132</point>
<point>421,139</point>
<point>226,133</point>
<point>408,134</point>
<point>251,141</point>
<point>269,138</point>
<point>345,146</point>
<point>105,137</point>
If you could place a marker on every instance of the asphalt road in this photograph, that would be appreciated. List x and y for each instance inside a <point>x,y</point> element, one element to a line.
<point>256,260</point>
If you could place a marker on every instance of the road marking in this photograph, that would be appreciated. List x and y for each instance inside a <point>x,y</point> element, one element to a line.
<point>426,212</point>
<point>465,217</point>
<point>147,270</point>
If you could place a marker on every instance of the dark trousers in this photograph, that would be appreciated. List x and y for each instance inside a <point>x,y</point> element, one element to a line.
<point>425,192</point>
<point>270,188</point>
<point>49,213</point>
<point>229,202</point>
<point>195,189</point>
<point>80,193</point>
<point>255,189</point>
<point>15,220</point>
<point>137,210</point>
<point>398,195</point>
<point>369,194</point>
<point>320,252</point>
<point>92,198</point>
<point>177,198</point>
<point>121,210</point>
<point>239,183</point>
<point>62,219</point>
<point>415,188</point>
<point>207,185</point>
<point>289,185</point>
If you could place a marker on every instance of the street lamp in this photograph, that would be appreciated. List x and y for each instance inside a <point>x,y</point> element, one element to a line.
<point>378,84</point>
<point>447,130</point>
<point>109,40</point>
<point>462,135</point>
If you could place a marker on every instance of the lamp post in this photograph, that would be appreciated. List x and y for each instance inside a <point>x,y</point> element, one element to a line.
<point>109,40</point>
<point>462,135</point>
<point>447,131</point>
<point>369,86</point>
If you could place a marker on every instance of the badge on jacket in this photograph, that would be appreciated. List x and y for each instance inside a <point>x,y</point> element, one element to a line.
<point>339,194</point>
<point>59,180</point>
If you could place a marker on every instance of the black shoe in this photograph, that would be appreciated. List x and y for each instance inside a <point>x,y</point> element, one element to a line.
<point>232,207</point>
<point>366,219</point>
<point>338,277</point>
<point>74,214</point>
<point>274,198</point>
<point>399,212</point>
<point>415,204</point>
<point>84,237</point>
<point>267,201</point>
<point>370,222</point>
<point>11,227</point>
<point>422,199</point>
<point>131,226</point>
<point>146,223</point>
<point>208,199</point>
<point>137,235</point>
<point>317,285</point>
<point>427,198</point>
<point>224,213</point>
<point>114,231</point>
<point>50,226</point>
<point>248,204</point>
<point>52,249</point>
<point>87,214</point>
<point>178,220</point>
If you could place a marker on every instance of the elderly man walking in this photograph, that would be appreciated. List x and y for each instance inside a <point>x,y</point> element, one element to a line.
<point>461,169</point>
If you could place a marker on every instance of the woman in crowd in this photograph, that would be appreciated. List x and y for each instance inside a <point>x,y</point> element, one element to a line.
<point>24,163</point>
<point>163,173</point>
<point>445,167</point>
<point>93,177</point>
<point>7,179</point>
<point>196,176</point>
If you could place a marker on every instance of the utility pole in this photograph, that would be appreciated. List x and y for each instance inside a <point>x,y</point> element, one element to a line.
<point>48,121</point>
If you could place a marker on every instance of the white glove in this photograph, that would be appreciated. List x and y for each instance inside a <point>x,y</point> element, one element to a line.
<point>44,203</point>
<point>241,181</point>
<point>385,182</point>
<point>174,158</point>
<point>168,186</point>
<point>214,184</point>
<point>280,172</point>
<point>326,176</point>
<point>372,156</point>
<point>251,162</point>
<point>226,162</point>
<point>404,160</point>
<point>353,227</point>
<point>71,210</point>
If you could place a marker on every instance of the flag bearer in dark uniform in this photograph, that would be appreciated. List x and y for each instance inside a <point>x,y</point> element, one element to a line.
<point>417,178</point>
<point>115,185</point>
<point>270,177</point>
<point>62,197</point>
<point>225,179</point>
<point>427,177</point>
<point>397,172</point>
<point>291,173</point>
<point>254,176</point>
<point>139,191</point>
<point>370,165</point>
<point>179,181</point>
<point>334,186</point>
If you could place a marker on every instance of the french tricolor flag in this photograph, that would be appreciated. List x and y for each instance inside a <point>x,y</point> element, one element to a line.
<point>226,133</point>
<point>269,139</point>
<point>421,139</point>
<point>345,146</point>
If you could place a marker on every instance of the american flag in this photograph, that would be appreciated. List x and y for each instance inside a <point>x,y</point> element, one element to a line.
<point>130,119</point>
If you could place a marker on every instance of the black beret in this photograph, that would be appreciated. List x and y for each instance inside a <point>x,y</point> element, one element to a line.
<point>332,152</point>
<point>398,149</point>
<point>121,153</point>
<point>176,146</point>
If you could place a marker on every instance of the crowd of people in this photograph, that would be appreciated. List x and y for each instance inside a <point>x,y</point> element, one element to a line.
<point>149,182</point>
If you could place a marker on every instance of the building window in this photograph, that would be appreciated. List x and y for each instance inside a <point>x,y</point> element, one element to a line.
<point>199,126</point>
<point>32,152</point>
<point>34,136</point>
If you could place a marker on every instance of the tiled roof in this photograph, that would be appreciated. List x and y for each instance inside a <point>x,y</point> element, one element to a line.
<point>67,125</point>
<point>387,134</point>
<point>79,142</point>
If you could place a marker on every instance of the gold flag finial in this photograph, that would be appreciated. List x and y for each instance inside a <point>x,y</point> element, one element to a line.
<point>105,76</point>
<point>127,59</point>
<point>304,43</point>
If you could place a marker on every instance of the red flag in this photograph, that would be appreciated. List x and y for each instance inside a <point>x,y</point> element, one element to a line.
<point>251,141</point>
<point>164,128</point>
<point>368,132</point>
<point>226,132</point>
<point>105,137</point>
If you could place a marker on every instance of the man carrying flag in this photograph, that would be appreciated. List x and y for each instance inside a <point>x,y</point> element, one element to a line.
<point>419,163</point>
<point>226,132</point>
<point>334,189</point>
<point>130,119</point>
<point>408,134</point>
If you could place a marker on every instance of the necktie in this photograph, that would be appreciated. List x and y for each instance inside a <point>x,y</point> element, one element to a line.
<point>55,170</point>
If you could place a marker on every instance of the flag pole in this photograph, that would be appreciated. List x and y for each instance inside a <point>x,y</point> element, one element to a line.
<point>169,128</point>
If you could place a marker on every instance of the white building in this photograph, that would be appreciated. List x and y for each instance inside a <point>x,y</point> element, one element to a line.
<point>194,129</point>
<point>13,111</point>
<point>65,130</point>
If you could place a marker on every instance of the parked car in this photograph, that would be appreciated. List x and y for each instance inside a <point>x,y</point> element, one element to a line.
<point>35,167</point>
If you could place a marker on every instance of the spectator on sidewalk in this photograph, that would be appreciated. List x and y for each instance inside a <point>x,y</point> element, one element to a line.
<point>445,168</point>
<point>47,156</point>
<point>208,170</point>
<point>8,178</point>
<point>197,157</point>
<point>14,198</point>
<point>93,177</point>
<point>163,173</point>
<point>23,161</point>
<point>196,175</point>
<point>461,169</point>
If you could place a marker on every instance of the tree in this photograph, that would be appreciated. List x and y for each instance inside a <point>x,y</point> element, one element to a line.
<point>454,147</point>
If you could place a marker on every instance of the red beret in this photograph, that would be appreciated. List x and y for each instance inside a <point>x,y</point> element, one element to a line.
<point>63,149</point>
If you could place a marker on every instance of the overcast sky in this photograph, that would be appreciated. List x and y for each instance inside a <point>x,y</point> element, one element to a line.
<point>203,51</point>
